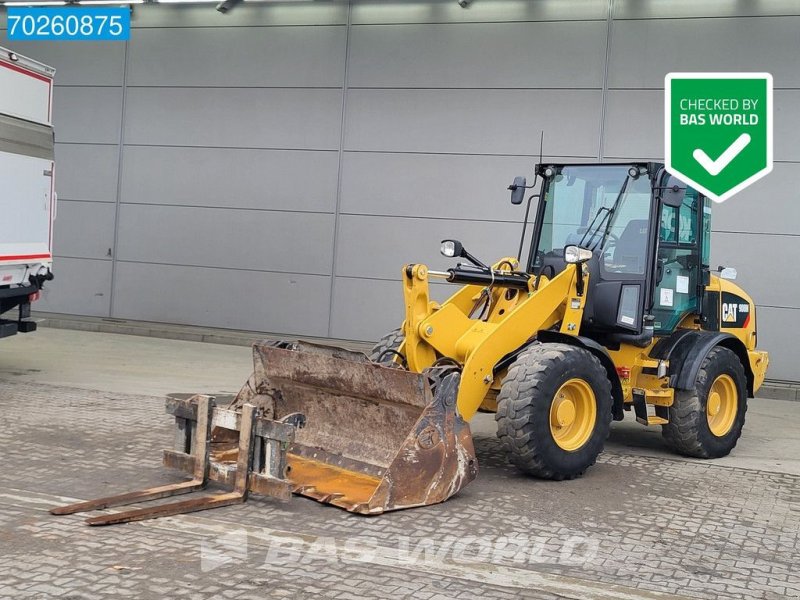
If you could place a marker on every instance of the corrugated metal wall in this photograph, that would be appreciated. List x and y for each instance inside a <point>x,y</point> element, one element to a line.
<point>273,168</point>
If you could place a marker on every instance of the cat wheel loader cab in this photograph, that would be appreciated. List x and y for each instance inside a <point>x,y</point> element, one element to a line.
<point>615,309</point>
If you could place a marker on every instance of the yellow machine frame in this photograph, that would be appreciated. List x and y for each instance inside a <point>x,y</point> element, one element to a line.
<point>432,330</point>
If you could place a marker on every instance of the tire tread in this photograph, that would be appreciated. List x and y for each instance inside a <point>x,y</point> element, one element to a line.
<point>523,386</point>
<point>687,431</point>
<point>390,341</point>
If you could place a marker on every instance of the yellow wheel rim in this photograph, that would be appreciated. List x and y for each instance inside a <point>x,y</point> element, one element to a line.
<point>722,405</point>
<point>573,414</point>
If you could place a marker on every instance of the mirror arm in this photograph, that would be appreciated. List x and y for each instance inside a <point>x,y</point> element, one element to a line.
<point>473,260</point>
<point>579,279</point>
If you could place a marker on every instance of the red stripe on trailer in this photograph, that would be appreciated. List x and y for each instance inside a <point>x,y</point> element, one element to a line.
<point>25,257</point>
<point>24,71</point>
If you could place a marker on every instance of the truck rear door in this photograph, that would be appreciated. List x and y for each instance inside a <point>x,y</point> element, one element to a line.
<point>27,198</point>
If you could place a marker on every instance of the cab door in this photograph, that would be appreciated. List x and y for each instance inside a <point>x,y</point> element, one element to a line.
<point>682,256</point>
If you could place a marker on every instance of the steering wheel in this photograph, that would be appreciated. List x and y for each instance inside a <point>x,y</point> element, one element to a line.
<point>687,262</point>
<point>611,243</point>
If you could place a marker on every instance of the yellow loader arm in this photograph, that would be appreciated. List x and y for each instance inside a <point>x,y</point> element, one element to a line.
<point>452,329</point>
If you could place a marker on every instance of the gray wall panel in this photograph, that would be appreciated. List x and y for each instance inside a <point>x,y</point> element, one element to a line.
<point>478,55</point>
<point>432,185</point>
<point>749,253</point>
<point>771,205</point>
<point>644,51</point>
<point>354,315</point>
<point>270,302</point>
<point>252,15</point>
<point>287,57</point>
<point>250,118</point>
<point>634,124</point>
<point>86,172</point>
<point>679,9</point>
<point>786,124</point>
<point>230,178</point>
<point>445,11</point>
<point>779,340</point>
<point>474,121</point>
<point>81,287</point>
<point>378,247</point>
<point>84,229</point>
<point>86,63</point>
<point>88,115</point>
<point>237,239</point>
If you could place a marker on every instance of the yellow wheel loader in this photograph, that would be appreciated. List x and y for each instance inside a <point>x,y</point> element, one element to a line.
<point>615,309</point>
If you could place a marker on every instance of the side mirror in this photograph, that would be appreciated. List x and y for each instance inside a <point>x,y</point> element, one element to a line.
<point>674,192</point>
<point>728,273</point>
<point>452,248</point>
<point>518,190</point>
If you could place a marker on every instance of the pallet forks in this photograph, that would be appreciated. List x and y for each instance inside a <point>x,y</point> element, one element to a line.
<point>259,462</point>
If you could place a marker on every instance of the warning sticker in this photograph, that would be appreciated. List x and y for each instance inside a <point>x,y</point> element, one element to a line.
<point>666,297</point>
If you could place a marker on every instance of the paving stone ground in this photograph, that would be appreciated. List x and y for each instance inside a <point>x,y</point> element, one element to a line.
<point>633,525</point>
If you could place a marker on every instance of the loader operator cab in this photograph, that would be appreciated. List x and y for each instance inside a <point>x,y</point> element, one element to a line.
<point>629,216</point>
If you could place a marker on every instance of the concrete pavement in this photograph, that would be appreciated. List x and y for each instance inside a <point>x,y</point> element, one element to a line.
<point>83,415</point>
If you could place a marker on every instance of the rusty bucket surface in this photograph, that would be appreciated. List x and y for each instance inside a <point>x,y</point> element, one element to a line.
<point>374,439</point>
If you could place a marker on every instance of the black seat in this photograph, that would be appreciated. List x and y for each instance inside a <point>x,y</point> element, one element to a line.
<point>631,247</point>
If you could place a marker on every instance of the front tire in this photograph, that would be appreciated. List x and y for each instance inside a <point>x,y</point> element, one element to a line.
<point>554,411</point>
<point>707,421</point>
<point>384,352</point>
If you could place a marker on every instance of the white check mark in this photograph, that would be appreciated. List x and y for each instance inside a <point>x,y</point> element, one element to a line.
<point>716,166</point>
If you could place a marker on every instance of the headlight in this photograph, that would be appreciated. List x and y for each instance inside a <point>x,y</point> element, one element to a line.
<point>451,248</point>
<point>576,254</point>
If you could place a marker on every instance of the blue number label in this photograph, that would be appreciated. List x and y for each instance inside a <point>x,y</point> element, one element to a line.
<point>27,23</point>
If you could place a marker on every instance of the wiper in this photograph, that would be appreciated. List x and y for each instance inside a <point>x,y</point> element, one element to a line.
<point>613,209</point>
<point>591,229</point>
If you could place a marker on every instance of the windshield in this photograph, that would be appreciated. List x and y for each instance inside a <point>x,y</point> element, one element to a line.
<point>600,208</point>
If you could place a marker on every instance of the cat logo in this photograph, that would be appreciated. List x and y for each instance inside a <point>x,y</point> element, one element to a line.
<point>735,313</point>
<point>729,312</point>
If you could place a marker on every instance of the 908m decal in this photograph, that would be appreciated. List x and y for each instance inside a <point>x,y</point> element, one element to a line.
<point>735,311</point>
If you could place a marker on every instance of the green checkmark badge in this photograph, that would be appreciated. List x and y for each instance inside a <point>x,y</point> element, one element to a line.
<point>718,130</point>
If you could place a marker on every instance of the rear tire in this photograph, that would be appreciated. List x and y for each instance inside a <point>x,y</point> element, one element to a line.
<point>554,411</point>
<point>706,422</point>
<point>384,351</point>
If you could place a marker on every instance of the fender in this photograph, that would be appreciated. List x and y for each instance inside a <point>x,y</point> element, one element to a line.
<point>549,336</point>
<point>686,349</point>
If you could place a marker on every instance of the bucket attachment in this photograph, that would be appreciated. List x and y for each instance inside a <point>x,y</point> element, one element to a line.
<point>375,438</point>
<point>319,421</point>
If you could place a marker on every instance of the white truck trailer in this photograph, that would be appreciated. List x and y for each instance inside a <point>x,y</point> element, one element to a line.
<point>27,196</point>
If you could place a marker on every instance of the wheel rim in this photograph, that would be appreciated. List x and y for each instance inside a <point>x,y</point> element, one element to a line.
<point>722,405</point>
<point>573,414</point>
